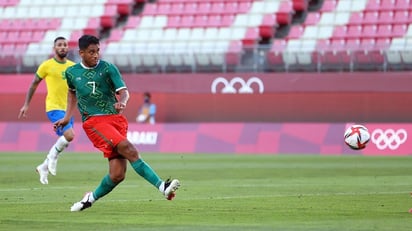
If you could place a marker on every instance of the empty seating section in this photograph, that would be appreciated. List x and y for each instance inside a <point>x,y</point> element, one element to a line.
<point>30,26</point>
<point>344,33</point>
<point>202,34</point>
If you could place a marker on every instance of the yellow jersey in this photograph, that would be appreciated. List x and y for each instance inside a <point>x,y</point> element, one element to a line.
<point>52,71</point>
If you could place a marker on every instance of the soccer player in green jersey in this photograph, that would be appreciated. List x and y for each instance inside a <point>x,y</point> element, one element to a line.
<point>52,71</point>
<point>101,95</point>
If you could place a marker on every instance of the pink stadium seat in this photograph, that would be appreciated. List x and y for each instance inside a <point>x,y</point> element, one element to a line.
<point>354,31</point>
<point>296,31</point>
<point>372,5</point>
<point>399,30</point>
<point>132,22</point>
<point>234,52</point>
<point>244,6</point>
<point>352,44</point>
<point>150,9</point>
<point>93,27</point>
<point>116,35</point>
<point>382,43</point>
<point>312,18</point>
<point>367,44</point>
<point>204,8</point>
<point>251,37</point>
<point>401,17</point>
<point>200,20</point>
<point>328,6</point>
<point>227,20</point>
<point>274,56</point>
<point>369,31</point>
<point>3,37</point>
<point>385,17</point>
<point>214,20</point>
<point>74,37</point>
<point>340,32</point>
<point>337,45</point>
<point>403,4</point>
<point>186,21</point>
<point>387,5</point>
<point>217,8</point>
<point>163,8</point>
<point>356,18</point>
<point>370,17</point>
<point>37,36</point>
<point>7,3</point>
<point>190,8</point>
<point>173,21</point>
<point>231,8</point>
<point>384,31</point>
<point>176,8</point>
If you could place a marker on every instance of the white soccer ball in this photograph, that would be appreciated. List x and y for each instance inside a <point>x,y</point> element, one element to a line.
<point>357,136</point>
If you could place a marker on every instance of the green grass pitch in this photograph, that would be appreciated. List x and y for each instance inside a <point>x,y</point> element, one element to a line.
<point>218,192</point>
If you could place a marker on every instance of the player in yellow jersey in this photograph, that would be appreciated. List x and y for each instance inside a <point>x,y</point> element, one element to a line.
<point>52,71</point>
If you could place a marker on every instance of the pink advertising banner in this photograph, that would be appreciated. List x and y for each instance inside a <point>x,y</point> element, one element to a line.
<point>230,138</point>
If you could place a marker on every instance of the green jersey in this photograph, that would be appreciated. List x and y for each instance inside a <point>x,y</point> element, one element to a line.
<point>95,88</point>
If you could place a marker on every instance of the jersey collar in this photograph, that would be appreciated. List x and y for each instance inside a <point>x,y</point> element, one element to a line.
<point>81,63</point>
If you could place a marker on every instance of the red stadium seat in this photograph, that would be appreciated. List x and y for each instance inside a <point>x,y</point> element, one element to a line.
<point>108,19</point>
<point>268,27</point>
<point>284,14</point>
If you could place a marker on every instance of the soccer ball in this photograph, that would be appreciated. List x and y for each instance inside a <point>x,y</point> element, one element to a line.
<point>357,136</point>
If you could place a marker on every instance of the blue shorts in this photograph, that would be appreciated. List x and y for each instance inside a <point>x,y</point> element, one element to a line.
<point>56,115</point>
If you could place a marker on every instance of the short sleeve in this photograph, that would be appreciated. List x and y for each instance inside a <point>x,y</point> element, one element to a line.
<point>116,78</point>
<point>42,71</point>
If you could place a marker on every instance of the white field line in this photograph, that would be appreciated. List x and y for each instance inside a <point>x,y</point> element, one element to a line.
<point>210,196</point>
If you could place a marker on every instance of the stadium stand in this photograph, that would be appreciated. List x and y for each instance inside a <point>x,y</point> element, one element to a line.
<point>214,35</point>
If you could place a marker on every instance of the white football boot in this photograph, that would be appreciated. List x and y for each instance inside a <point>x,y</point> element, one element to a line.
<point>43,172</point>
<point>170,188</point>
<point>85,203</point>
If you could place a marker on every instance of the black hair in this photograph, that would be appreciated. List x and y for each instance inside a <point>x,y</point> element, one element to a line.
<point>58,38</point>
<point>86,40</point>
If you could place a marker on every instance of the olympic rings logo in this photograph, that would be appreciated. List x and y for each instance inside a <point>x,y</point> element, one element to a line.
<point>230,87</point>
<point>389,138</point>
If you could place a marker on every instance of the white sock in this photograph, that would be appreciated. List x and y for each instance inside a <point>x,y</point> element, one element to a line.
<point>58,147</point>
<point>162,187</point>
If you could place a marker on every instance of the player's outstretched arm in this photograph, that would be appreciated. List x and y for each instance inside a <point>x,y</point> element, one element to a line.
<point>24,109</point>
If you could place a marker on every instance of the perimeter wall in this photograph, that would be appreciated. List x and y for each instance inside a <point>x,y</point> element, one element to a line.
<point>248,97</point>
